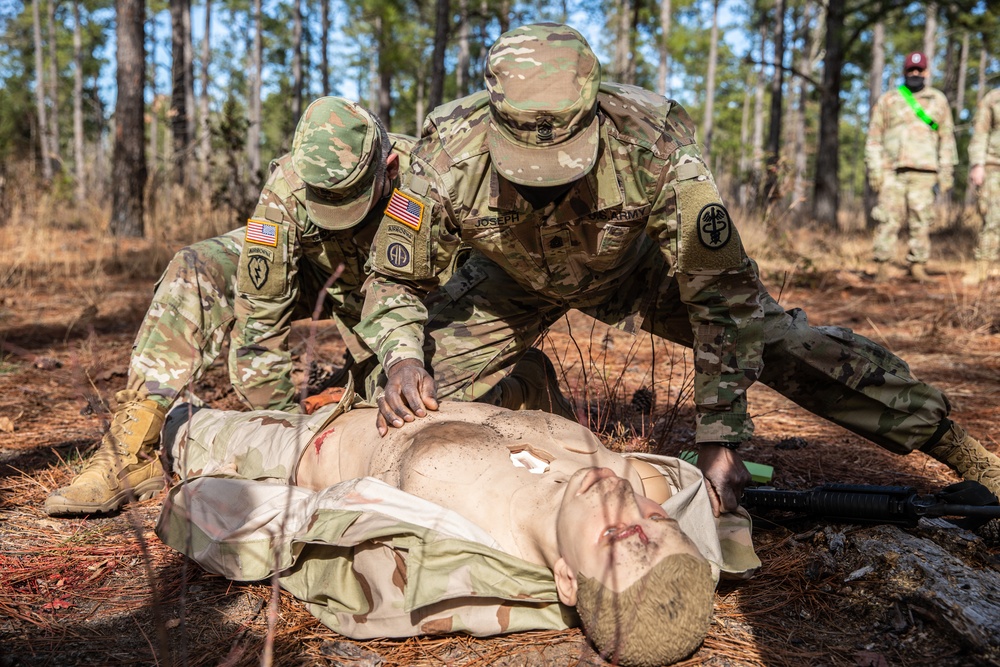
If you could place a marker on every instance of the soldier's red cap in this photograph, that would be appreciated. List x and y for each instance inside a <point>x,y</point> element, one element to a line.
<point>915,60</point>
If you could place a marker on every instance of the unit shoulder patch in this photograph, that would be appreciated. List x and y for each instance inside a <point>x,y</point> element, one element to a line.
<point>715,227</point>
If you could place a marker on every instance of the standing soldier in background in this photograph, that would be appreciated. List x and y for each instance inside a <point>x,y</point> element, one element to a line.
<point>910,149</point>
<point>308,239</point>
<point>984,173</point>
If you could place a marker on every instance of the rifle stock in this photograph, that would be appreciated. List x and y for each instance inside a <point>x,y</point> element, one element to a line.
<point>861,503</point>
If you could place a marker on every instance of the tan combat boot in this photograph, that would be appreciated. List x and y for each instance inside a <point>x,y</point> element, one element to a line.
<point>532,385</point>
<point>963,454</point>
<point>919,273</point>
<point>124,467</point>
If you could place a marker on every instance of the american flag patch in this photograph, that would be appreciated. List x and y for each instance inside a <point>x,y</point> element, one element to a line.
<point>405,209</point>
<point>264,233</point>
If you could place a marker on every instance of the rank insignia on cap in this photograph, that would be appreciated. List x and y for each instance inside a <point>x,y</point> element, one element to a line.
<point>405,209</point>
<point>714,226</point>
<point>264,233</point>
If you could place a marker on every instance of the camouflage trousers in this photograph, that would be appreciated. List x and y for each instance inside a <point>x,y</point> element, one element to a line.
<point>988,249</point>
<point>481,322</point>
<point>905,197</point>
<point>191,316</point>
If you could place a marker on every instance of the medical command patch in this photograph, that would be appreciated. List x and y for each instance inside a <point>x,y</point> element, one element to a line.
<point>264,233</point>
<point>714,226</point>
<point>405,209</point>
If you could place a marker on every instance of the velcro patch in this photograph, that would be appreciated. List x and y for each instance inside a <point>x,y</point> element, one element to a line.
<point>264,233</point>
<point>405,209</point>
<point>263,270</point>
<point>707,239</point>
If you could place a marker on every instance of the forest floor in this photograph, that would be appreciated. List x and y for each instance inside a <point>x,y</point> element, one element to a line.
<point>106,591</point>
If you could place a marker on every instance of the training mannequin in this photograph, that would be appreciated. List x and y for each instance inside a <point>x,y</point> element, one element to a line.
<point>551,515</point>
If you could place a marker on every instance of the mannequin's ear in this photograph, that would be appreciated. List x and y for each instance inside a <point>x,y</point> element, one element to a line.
<point>566,584</point>
<point>392,166</point>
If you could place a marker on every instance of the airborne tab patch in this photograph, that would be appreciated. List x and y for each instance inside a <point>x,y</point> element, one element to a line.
<point>264,233</point>
<point>405,209</point>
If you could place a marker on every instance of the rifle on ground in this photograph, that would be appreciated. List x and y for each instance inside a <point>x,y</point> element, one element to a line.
<point>861,503</point>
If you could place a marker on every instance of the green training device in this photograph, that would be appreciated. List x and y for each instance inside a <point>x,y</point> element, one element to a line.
<point>760,473</point>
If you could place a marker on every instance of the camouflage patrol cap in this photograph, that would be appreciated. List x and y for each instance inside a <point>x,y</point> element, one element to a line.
<point>336,151</point>
<point>543,80</point>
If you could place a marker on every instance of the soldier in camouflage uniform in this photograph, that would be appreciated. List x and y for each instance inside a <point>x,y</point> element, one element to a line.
<point>984,163</point>
<point>475,519</point>
<point>910,149</point>
<point>306,242</point>
<point>576,194</point>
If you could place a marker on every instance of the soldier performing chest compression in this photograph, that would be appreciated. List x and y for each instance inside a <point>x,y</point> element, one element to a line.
<point>576,194</point>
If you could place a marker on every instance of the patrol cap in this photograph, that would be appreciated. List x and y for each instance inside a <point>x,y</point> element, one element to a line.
<point>336,151</point>
<point>543,80</point>
<point>915,60</point>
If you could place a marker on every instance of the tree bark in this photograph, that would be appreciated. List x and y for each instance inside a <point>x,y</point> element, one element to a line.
<point>442,20</point>
<point>43,126</point>
<point>80,190</point>
<point>462,69</point>
<point>826,200</point>
<point>204,135</point>
<point>963,67</point>
<point>808,58</point>
<point>772,192</point>
<point>930,37</point>
<point>180,22</point>
<point>708,115</point>
<point>55,144</point>
<point>296,59</point>
<point>128,171</point>
<point>324,46</point>
<point>874,92</point>
<point>757,142</point>
<point>622,40</point>
<point>663,70</point>
<point>254,103</point>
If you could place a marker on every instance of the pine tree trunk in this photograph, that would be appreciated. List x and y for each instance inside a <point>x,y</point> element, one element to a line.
<point>930,37</point>
<point>179,109</point>
<point>757,142</point>
<point>55,144</point>
<point>43,126</point>
<point>442,21</point>
<point>80,189</point>
<point>204,134</point>
<point>826,193</point>
<point>963,68</point>
<point>708,115</point>
<point>128,170</point>
<point>462,70</point>
<point>771,190</point>
<point>254,103</point>
<point>663,71</point>
<point>296,59</point>
<point>622,40</point>
<point>874,92</point>
<point>324,45</point>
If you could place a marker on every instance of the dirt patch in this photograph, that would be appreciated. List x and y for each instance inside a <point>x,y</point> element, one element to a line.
<point>105,591</point>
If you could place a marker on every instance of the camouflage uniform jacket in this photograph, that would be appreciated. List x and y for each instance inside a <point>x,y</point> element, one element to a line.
<point>984,148</point>
<point>295,258</point>
<point>898,139</point>
<point>368,559</point>
<point>649,186</point>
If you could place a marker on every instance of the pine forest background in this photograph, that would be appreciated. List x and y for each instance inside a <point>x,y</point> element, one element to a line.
<point>115,113</point>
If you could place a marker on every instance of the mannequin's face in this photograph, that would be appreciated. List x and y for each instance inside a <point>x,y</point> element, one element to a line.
<point>608,532</point>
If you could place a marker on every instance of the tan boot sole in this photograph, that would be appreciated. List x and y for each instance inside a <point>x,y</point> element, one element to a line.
<point>56,505</point>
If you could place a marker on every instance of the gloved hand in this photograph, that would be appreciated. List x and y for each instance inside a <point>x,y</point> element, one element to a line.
<point>408,390</point>
<point>726,475</point>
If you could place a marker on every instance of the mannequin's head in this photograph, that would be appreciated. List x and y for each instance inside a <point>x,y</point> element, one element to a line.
<point>640,585</point>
